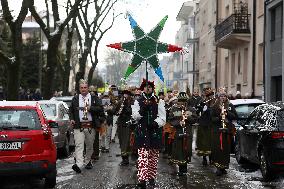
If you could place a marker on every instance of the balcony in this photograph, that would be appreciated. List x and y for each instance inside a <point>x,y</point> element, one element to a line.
<point>234,30</point>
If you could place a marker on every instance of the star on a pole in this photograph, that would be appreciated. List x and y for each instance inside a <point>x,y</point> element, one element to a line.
<point>145,47</point>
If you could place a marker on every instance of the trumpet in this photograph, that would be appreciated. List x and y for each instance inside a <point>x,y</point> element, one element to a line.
<point>85,110</point>
<point>223,116</point>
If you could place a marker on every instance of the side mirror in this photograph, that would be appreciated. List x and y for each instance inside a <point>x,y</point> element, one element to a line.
<point>52,124</point>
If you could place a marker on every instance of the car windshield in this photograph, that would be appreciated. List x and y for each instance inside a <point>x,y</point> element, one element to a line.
<point>49,110</point>
<point>13,119</point>
<point>280,119</point>
<point>244,110</point>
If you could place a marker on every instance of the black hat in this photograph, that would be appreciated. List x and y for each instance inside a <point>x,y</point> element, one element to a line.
<point>143,84</point>
<point>161,93</point>
<point>208,91</point>
<point>182,97</point>
<point>127,92</point>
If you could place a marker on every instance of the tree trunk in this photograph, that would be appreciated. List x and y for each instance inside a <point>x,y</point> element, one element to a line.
<point>82,69</point>
<point>14,68</point>
<point>52,56</point>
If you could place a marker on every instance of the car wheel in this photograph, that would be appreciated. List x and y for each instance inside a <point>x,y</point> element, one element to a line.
<point>65,150</point>
<point>238,153</point>
<point>50,179</point>
<point>264,167</point>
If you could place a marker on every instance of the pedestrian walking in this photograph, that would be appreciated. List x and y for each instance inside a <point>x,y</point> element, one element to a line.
<point>151,116</point>
<point>85,111</point>
<point>223,113</point>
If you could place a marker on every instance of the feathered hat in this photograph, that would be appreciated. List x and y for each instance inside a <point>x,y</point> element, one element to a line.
<point>182,97</point>
<point>143,84</point>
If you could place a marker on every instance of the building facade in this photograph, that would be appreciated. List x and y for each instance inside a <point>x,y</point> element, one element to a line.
<point>239,38</point>
<point>274,55</point>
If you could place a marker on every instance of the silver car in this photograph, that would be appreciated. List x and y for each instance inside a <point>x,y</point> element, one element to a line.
<point>57,111</point>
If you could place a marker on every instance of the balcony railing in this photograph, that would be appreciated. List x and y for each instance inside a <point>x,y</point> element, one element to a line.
<point>237,23</point>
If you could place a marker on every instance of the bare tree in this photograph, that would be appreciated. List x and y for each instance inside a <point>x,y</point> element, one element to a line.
<point>14,61</point>
<point>53,36</point>
<point>117,63</point>
<point>66,67</point>
<point>94,31</point>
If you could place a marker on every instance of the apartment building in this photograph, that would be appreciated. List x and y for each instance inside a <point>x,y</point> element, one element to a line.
<point>274,56</point>
<point>239,38</point>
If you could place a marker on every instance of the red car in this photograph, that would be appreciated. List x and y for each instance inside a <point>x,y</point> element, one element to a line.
<point>26,142</point>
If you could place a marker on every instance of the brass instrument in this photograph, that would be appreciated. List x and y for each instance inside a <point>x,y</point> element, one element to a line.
<point>121,107</point>
<point>85,110</point>
<point>223,117</point>
<point>183,119</point>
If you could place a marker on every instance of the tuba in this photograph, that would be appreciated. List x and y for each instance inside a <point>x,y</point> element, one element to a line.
<point>85,110</point>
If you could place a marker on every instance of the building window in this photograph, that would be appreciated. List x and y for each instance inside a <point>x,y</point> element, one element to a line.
<point>233,69</point>
<point>273,25</point>
<point>226,71</point>
<point>260,64</point>
<point>245,66</point>
<point>239,63</point>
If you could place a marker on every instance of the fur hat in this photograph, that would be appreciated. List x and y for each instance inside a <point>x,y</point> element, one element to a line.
<point>182,97</point>
<point>222,91</point>
<point>207,91</point>
<point>127,92</point>
<point>143,84</point>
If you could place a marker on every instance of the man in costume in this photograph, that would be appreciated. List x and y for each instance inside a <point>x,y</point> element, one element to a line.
<point>223,112</point>
<point>124,130</point>
<point>151,116</point>
<point>85,111</point>
<point>181,117</point>
<point>203,141</point>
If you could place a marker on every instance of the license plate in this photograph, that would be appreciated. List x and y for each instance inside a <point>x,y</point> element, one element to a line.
<point>10,145</point>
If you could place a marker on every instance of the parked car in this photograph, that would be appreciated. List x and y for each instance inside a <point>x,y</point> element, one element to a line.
<point>62,132</point>
<point>66,99</point>
<point>261,139</point>
<point>26,143</point>
<point>243,108</point>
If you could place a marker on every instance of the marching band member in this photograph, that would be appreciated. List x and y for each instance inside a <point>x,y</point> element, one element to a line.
<point>181,117</point>
<point>124,131</point>
<point>203,140</point>
<point>223,113</point>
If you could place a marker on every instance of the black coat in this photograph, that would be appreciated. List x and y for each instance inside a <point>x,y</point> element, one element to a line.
<point>96,109</point>
<point>147,133</point>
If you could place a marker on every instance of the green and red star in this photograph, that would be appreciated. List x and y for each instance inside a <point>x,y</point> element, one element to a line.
<point>145,47</point>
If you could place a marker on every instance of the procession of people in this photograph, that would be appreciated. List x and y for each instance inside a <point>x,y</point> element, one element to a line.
<point>148,125</point>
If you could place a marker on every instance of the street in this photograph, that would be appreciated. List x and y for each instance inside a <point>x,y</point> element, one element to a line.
<point>109,175</point>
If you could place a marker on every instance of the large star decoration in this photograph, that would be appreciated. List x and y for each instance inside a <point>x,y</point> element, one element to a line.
<point>145,47</point>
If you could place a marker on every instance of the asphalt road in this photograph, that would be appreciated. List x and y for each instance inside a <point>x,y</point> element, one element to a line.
<point>107,174</point>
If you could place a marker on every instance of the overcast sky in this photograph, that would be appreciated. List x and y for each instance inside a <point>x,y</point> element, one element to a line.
<point>147,13</point>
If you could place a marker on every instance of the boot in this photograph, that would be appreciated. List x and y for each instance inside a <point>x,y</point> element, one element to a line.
<point>152,182</point>
<point>224,171</point>
<point>125,161</point>
<point>204,162</point>
<point>182,170</point>
<point>218,172</point>
<point>141,185</point>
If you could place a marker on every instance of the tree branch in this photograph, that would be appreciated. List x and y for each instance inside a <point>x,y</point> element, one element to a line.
<point>42,25</point>
<point>6,12</point>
